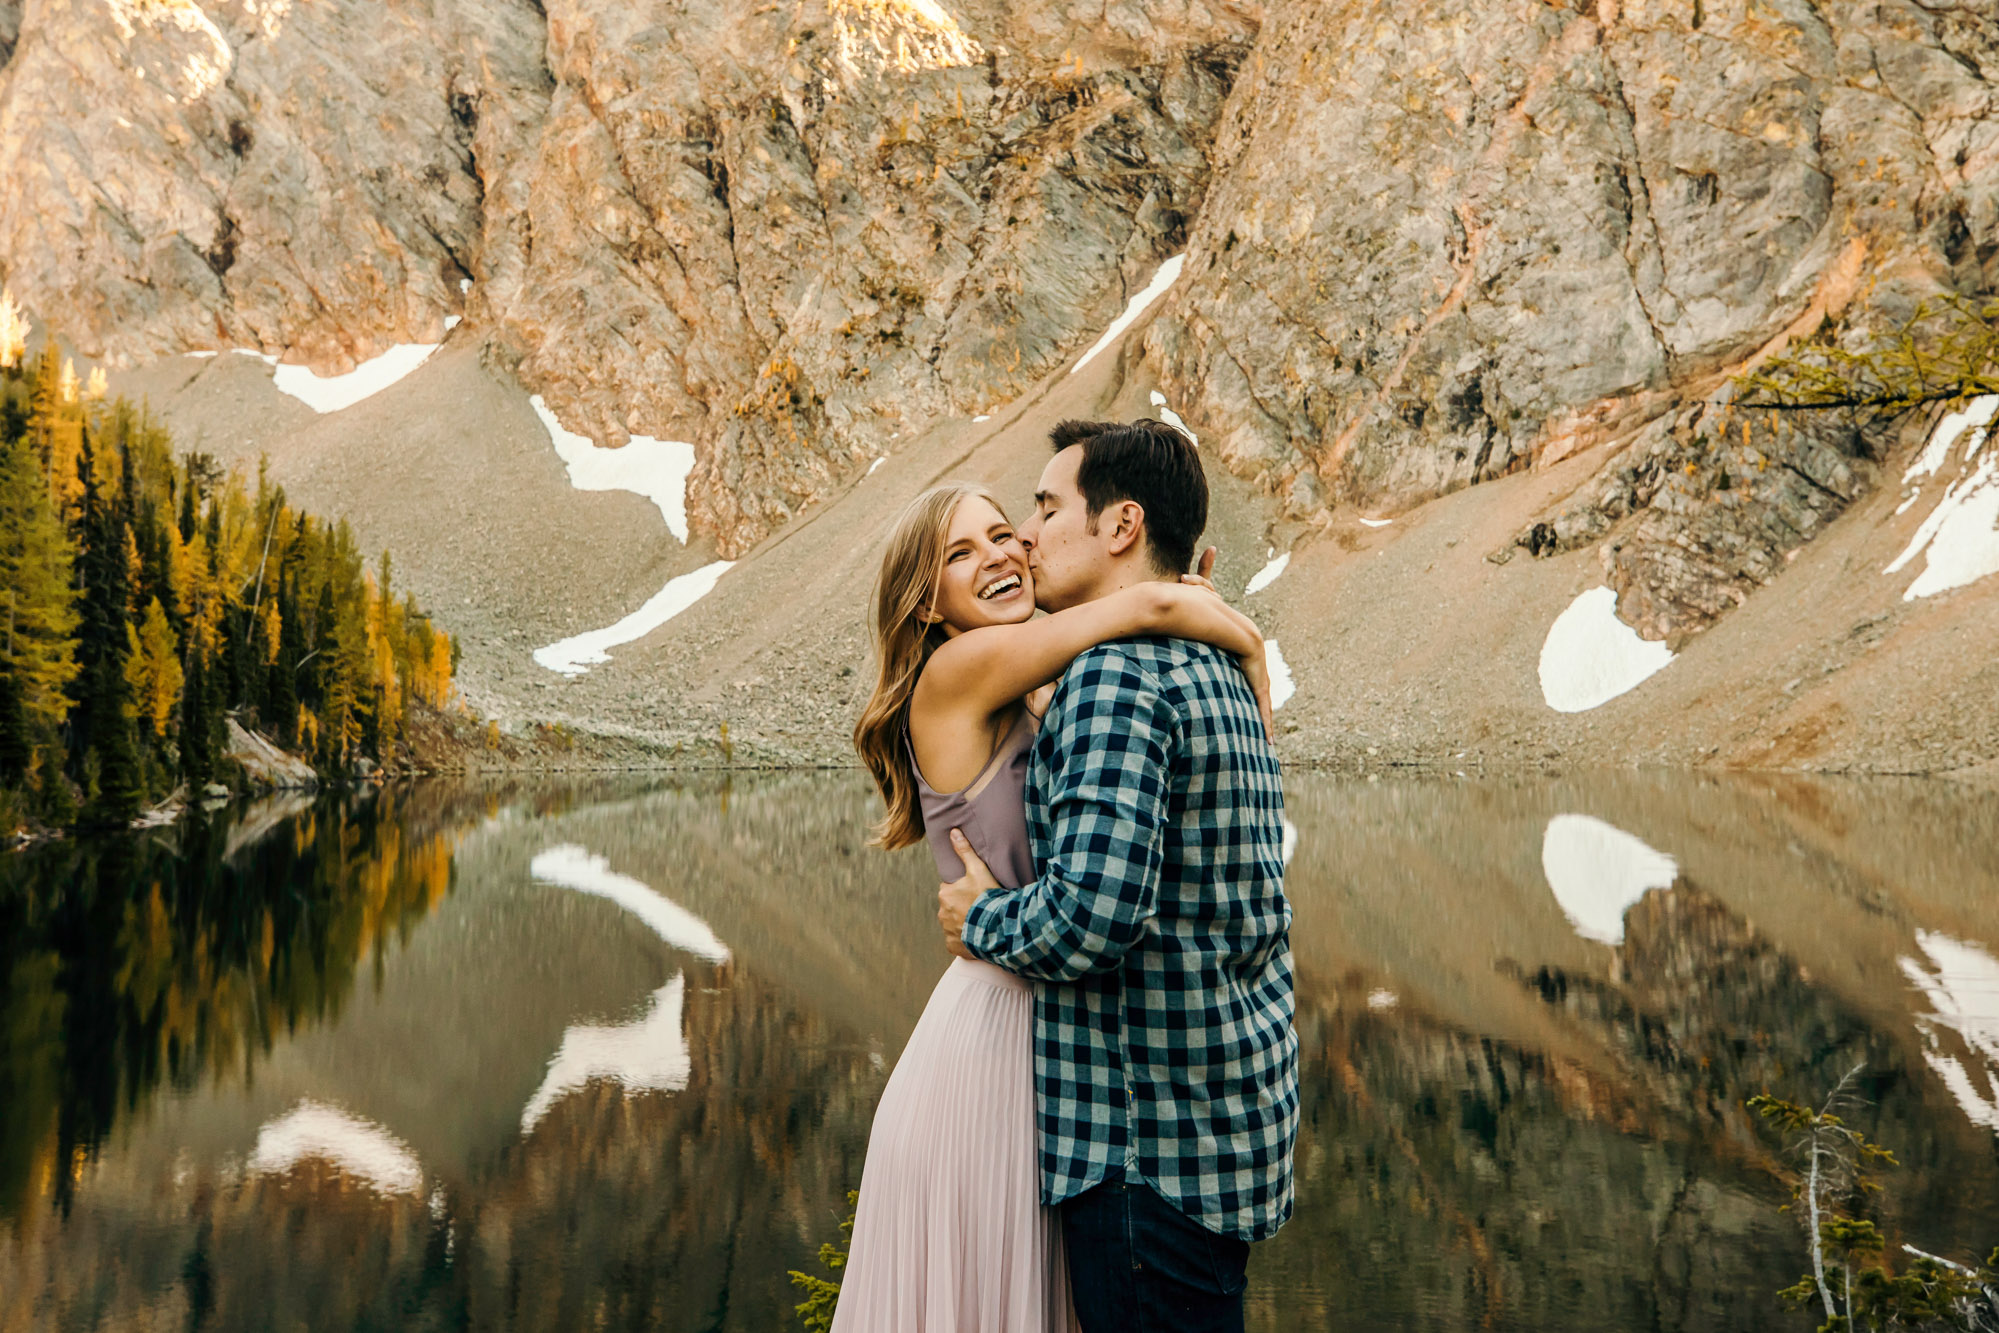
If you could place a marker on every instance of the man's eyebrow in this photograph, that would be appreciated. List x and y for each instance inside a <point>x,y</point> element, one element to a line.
<point>1043,497</point>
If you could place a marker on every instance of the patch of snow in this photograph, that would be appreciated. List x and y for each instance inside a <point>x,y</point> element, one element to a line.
<point>1908,504</point>
<point>983,417</point>
<point>872,466</point>
<point>360,1148</point>
<point>1961,982</point>
<point>1172,418</point>
<point>1961,535</point>
<point>1290,846</point>
<point>577,868</point>
<point>1168,274</point>
<point>1597,871</point>
<point>656,469</point>
<point>1267,575</point>
<point>648,1054</point>
<point>1590,656</point>
<point>1975,415</point>
<point>464,286</point>
<point>452,321</point>
<point>1376,522</point>
<point>1381,1000</point>
<point>1281,685</point>
<point>578,653</point>
<point>335,392</point>
<point>203,356</point>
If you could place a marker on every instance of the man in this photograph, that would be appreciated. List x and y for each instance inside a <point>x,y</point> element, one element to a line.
<point>1165,1061</point>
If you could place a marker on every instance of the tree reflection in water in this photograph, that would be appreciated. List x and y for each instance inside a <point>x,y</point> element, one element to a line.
<point>180,955</point>
<point>598,1056</point>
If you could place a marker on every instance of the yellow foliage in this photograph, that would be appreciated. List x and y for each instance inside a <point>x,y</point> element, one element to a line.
<point>152,669</point>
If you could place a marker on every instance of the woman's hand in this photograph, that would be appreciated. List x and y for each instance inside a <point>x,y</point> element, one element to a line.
<point>1204,569</point>
<point>1257,667</point>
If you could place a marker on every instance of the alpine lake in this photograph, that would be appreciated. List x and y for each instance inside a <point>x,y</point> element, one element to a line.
<point>603,1054</point>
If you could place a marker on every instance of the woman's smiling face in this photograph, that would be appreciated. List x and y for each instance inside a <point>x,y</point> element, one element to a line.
<point>985,579</point>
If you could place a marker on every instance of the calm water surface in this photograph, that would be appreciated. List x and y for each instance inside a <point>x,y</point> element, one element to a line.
<point>563,1057</point>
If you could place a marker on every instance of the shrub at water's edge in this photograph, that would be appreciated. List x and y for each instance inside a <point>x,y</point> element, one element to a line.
<point>1857,1279</point>
<point>822,1296</point>
<point>148,598</point>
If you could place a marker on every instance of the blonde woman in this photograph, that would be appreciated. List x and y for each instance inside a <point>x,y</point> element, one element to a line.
<point>950,1233</point>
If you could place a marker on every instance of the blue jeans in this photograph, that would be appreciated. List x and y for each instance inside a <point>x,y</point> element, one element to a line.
<point>1137,1264</point>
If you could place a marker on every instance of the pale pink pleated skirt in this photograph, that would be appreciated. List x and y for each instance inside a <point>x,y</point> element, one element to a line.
<point>950,1236</point>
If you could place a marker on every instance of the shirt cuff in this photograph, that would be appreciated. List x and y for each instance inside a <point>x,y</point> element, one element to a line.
<point>985,919</point>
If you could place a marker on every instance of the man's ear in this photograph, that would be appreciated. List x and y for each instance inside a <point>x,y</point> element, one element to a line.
<point>1127,526</point>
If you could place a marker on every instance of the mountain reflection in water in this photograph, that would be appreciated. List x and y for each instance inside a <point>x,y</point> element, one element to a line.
<point>548,1056</point>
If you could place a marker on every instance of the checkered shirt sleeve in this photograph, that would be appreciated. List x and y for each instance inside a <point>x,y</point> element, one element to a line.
<point>1159,921</point>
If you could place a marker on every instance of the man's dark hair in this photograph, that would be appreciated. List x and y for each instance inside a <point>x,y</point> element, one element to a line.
<point>1151,464</point>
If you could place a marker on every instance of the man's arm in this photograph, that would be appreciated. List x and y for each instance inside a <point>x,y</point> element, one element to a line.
<point>1099,886</point>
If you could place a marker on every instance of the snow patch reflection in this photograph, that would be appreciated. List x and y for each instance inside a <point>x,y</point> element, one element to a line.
<point>648,1054</point>
<point>361,1149</point>
<point>571,867</point>
<point>1961,982</point>
<point>1597,871</point>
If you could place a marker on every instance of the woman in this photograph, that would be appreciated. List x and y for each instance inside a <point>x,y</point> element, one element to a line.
<point>950,1236</point>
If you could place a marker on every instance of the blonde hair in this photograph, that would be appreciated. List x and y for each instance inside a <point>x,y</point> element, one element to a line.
<point>912,569</point>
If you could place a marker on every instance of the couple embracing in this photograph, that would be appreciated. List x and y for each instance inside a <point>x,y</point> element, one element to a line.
<point>1094,1116</point>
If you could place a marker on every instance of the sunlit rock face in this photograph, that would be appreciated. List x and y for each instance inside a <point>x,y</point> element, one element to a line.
<point>790,233</point>
<point>1425,244</point>
<point>297,178</point>
<point>1444,237</point>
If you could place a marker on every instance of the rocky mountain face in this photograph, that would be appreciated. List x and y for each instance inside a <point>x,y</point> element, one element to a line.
<point>1426,244</point>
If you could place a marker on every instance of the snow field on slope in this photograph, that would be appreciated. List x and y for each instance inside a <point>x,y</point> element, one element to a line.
<point>1960,537</point>
<point>1590,656</point>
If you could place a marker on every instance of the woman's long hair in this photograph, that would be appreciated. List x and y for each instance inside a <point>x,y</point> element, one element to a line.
<point>911,570</point>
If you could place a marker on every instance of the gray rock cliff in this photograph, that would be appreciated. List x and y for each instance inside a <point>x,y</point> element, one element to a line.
<point>1426,244</point>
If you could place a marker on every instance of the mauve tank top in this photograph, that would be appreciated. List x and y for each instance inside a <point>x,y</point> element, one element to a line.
<point>994,817</point>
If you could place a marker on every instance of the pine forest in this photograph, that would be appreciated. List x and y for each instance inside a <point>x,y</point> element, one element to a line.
<point>151,598</point>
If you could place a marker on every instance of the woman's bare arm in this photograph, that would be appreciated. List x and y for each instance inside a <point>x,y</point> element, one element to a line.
<point>983,670</point>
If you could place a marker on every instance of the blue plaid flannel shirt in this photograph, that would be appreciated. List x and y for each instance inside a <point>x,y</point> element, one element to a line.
<point>1155,807</point>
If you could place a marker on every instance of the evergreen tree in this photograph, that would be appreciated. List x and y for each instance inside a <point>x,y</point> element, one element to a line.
<point>103,715</point>
<point>143,598</point>
<point>37,645</point>
<point>56,804</point>
<point>197,737</point>
<point>281,689</point>
<point>17,747</point>
<point>152,670</point>
<point>187,500</point>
